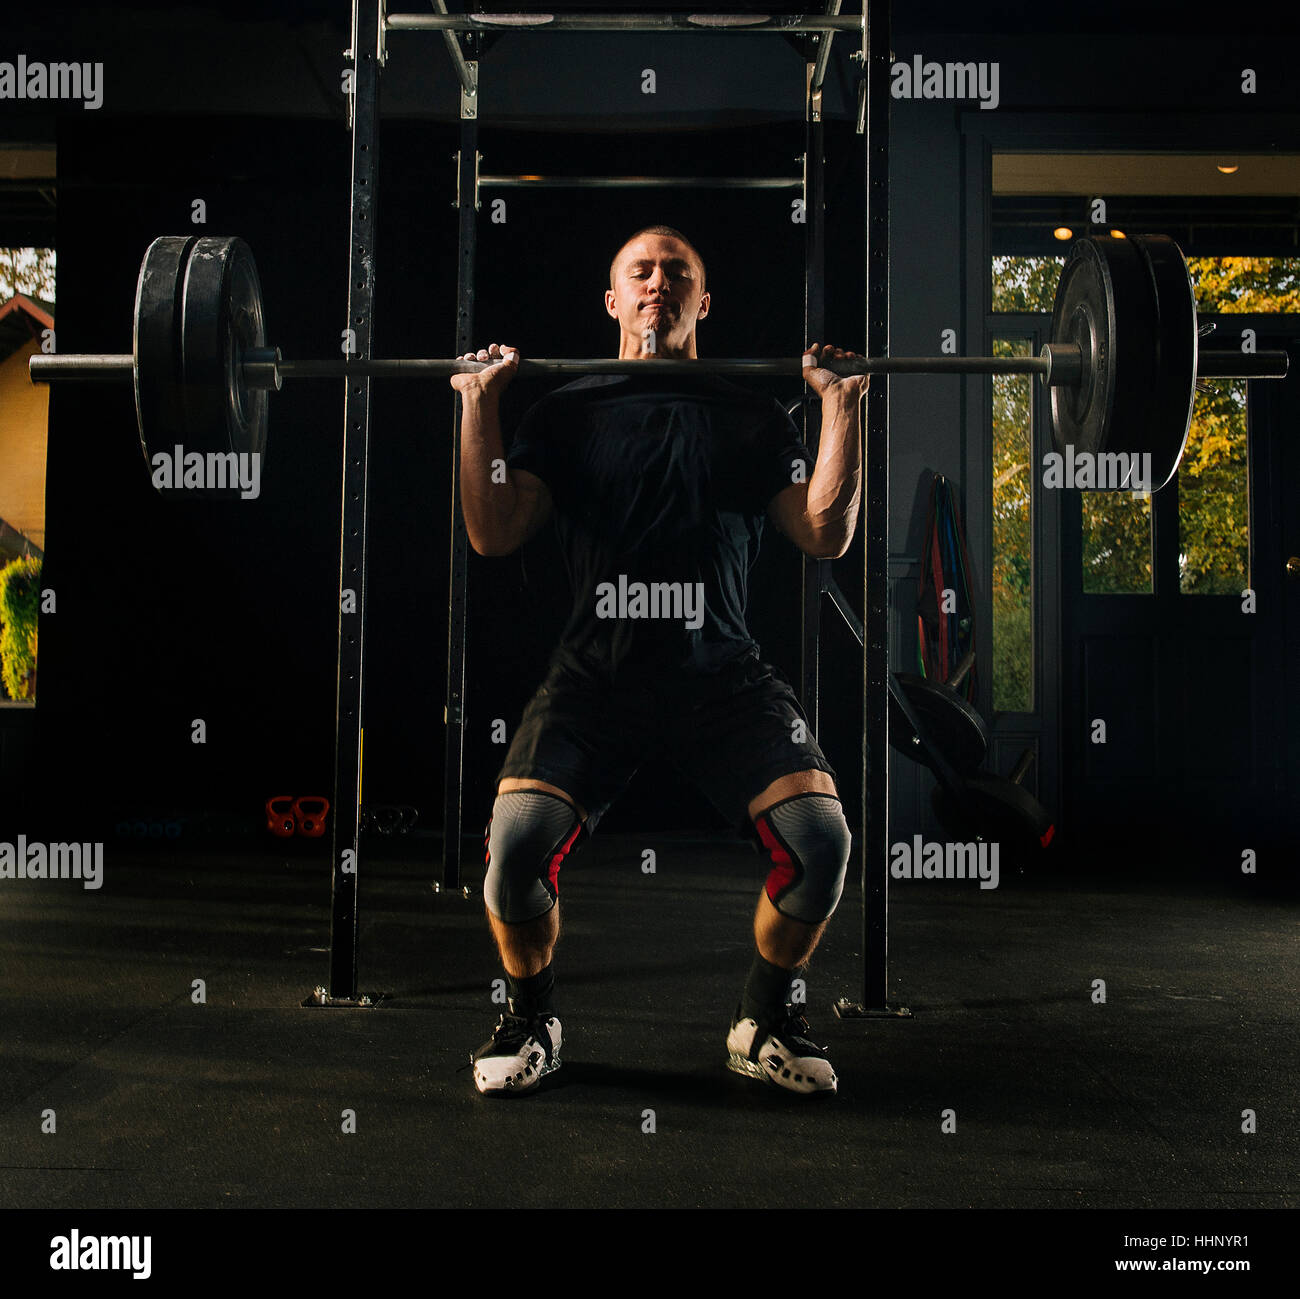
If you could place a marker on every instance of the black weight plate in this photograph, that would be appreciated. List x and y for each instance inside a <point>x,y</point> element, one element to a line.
<point>1106,303</point>
<point>1133,351</point>
<point>159,407</point>
<point>1000,811</point>
<point>953,726</point>
<point>1083,313</point>
<point>1173,392</point>
<point>222,319</point>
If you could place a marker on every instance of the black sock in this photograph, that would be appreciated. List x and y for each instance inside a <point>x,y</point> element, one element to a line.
<point>532,995</point>
<point>766,990</point>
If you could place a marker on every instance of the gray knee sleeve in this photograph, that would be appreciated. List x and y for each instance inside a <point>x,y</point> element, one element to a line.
<point>528,836</point>
<point>808,842</point>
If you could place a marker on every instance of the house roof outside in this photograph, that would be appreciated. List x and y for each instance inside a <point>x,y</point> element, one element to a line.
<point>23,318</point>
<point>14,545</point>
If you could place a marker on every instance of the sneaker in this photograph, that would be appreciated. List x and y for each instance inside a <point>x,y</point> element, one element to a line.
<point>519,1054</point>
<point>780,1052</point>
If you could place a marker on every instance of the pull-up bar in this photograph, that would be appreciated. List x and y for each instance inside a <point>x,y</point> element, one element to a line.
<point>640,182</point>
<point>726,23</point>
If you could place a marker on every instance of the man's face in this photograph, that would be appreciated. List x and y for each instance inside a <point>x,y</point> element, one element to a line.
<point>658,286</point>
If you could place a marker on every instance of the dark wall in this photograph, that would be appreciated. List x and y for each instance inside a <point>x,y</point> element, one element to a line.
<point>171,611</point>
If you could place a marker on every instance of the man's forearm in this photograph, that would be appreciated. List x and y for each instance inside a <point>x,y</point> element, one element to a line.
<point>487,496</point>
<point>836,485</point>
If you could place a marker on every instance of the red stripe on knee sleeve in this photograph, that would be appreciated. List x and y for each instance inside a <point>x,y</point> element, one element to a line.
<point>781,875</point>
<point>553,868</point>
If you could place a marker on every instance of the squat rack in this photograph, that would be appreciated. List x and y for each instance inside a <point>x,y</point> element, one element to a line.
<point>464,35</point>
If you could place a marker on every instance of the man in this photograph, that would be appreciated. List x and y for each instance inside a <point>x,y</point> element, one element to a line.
<point>658,486</point>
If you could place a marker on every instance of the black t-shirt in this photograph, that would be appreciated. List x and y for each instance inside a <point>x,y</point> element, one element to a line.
<point>660,486</point>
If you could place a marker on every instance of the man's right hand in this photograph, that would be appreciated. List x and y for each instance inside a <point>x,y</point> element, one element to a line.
<point>503,363</point>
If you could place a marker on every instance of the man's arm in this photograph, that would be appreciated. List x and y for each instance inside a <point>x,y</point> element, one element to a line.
<point>503,507</point>
<point>821,515</point>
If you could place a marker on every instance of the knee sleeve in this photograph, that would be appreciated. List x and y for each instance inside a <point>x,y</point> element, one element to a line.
<point>808,842</point>
<point>528,836</point>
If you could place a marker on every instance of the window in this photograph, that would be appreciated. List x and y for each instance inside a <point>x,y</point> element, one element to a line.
<point>27,278</point>
<point>1013,554</point>
<point>1116,543</point>
<point>1025,284</point>
<point>1213,479</point>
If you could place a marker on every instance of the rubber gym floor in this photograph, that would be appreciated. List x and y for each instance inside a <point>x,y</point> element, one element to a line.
<point>1059,1100</point>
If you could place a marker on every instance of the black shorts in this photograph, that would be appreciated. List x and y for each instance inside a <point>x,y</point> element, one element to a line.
<point>731,735</point>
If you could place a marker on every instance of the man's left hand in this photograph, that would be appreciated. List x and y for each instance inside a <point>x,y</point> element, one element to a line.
<point>823,381</point>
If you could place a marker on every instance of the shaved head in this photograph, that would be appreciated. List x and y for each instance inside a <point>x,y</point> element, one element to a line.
<point>666,232</point>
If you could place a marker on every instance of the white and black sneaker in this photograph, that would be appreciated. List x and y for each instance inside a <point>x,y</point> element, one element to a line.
<point>520,1053</point>
<point>780,1052</point>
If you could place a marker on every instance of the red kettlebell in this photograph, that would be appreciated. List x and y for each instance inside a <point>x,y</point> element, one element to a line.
<point>309,811</point>
<point>279,816</point>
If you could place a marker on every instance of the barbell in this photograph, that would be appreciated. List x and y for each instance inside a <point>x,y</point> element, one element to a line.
<point>1122,365</point>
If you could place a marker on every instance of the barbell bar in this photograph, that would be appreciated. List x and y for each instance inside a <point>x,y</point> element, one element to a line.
<point>262,368</point>
<point>1121,366</point>
<point>261,371</point>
